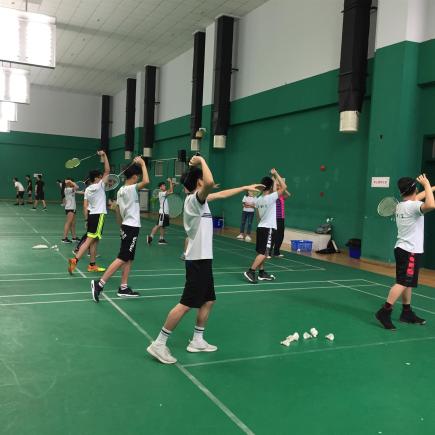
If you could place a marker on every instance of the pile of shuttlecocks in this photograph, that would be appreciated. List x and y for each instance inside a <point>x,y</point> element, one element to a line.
<point>293,338</point>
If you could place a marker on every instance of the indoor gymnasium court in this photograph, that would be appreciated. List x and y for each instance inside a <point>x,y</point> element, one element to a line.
<point>216,217</point>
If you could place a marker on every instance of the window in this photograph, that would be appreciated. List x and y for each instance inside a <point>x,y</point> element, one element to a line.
<point>180,168</point>
<point>158,168</point>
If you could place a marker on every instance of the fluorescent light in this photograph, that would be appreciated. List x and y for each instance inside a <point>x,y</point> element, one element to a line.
<point>8,111</point>
<point>14,85</point>
<point>28,38</point>
<point>4,126</point>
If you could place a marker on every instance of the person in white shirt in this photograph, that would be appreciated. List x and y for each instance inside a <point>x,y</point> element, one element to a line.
<point>70,211</point>
<point>248,212</point>
<point>199,287</point>
<point>408,249</point>
<point>94,210</point>
<point>128,213</point>
<point>20,192</point>
<point>266,206</point>
<point>163,219</point>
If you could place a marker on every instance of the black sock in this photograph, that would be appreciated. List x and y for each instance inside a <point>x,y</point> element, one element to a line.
<point>251,270</point>
<point>91,264</point>
<point>406,307</point>
<point>388,306</point>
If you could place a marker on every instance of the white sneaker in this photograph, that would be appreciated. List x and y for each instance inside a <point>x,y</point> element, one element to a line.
<point>248,239</point>
<point>200,346</point>
<point>240,237</point>
<point>161,352</point>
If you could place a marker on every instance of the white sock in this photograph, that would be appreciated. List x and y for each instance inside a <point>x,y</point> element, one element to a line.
<point>124,286</point>
<point>163,336</point>
<point>198,333</point>
<point>101,282</point>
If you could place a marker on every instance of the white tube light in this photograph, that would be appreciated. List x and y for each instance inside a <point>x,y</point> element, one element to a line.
<point>4,126</point>
<point>27,38</point>
<point>15,85</point>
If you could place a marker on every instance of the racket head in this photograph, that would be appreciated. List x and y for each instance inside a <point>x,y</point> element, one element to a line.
<point>387,206</point>
<point>72,163</point>
<point>81,186</point>
<point>155,193</point>
<point>176,204</point>
<point>113,181</point>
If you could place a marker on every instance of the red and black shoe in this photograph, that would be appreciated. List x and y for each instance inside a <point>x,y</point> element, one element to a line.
<point>384,318</point>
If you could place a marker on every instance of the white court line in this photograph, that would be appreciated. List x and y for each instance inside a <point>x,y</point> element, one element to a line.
<point>262,290</point>
<point>305,352</point>
<point>376,296</point>
<point>31,226</point>
<point>268,284</point>
<point>389,286</point>
<point>239,423</point>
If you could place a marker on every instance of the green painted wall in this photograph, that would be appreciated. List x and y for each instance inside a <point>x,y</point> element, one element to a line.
<point>29,153</point>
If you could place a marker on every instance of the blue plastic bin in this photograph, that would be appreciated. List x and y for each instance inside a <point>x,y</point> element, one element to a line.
<point>302,245</point>
<point>355,252</point>
<point>218,222</point>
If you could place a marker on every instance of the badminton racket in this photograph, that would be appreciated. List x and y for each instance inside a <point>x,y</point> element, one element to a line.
<point>75,161</point>
<point>114,180</point>
<point>387,206</point>
<point>175,204</point>
<point>81,186</point>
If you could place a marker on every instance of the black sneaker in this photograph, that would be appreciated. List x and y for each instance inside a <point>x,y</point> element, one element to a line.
<point>163,242</point>
<point>409,316</point>
<point>96,289</point>
<point>75,239</point>
<point>44,209</point>
<point>127,293</point>
<point>66,240</point>
<point>251,276</point>
<point>16,204</point>
<point>264,276</point>
<point>149,240</point>
<point>384,317</point>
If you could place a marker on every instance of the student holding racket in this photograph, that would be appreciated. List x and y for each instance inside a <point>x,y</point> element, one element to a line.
<point>129,212</point>
<point>199,287</point>
<point>409,248</point>
<point>94,208</point>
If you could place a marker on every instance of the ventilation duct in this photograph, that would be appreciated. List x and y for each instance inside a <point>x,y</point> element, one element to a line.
<point>353,62</point>
<point>222,79</point>
<point>149,110</point>
<point>105,123</point>
<point>130,110</point>
<point>197,90</point>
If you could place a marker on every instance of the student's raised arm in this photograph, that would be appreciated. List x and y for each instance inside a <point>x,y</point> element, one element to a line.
<point>282,185</point>
<point>429,203</point>
<point>231,192</point>
<point>106,166</point>
<point>170,191</point>
<point>145,177</point>
<point>207,177</point>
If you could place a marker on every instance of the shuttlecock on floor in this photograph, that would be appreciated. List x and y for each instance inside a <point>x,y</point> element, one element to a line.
<point>293,337</point>
<point>330,337</point>
<point>40,247</point>
<point>286,342</point>
<point>54,247</point>
<point>307,336</point>
<point>314,332</point>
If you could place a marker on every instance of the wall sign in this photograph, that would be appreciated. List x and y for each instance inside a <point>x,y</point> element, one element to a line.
<point>381,182</point>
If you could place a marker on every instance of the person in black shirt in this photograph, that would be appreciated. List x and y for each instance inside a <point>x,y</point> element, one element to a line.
<point>39,193</point>
<point>29,189</point>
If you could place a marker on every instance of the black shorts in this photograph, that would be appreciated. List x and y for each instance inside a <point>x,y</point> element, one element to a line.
<point>95,225</point>
<point>129,237</point>
<point>199,287</point>
<point>70,211</point>
<point>20,195</point>
<point>264,240</point>
<point>407,267</point>
<point>40,196</point>
<point>163,220</point>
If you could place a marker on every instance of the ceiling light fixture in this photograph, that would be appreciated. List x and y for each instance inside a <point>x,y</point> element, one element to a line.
<point>15,85</point>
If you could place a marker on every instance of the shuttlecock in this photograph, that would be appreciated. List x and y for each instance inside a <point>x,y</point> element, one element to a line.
<point>40,247</point>
<point>307,336</point>
<point>286,342</point>
<point>293,337</point>
<point>314,332</point>
<point>330,337</point>
<point>54,247</point>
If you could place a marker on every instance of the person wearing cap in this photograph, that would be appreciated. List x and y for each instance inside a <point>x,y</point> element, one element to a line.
<point>408,249</point>
<point>266,206</point>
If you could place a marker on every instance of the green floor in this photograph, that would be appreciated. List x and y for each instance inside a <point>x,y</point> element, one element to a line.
<point>70,366</point>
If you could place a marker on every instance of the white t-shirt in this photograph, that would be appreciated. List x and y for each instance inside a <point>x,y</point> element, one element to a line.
<point>70,198</point>
<point>128,203</point>
<point>164,206</point>
<point>18,186</point>
<point>96,197</point>
<point>248,200</point>
<point>198,224</point>
<point>266,206</point>
<point>410,226</point>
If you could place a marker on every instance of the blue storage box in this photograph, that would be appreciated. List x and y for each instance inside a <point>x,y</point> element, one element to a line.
<point>218,222</point>
<point>302,245</point>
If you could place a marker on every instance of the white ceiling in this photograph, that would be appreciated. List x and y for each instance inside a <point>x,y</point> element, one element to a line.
<point>102,42</point>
